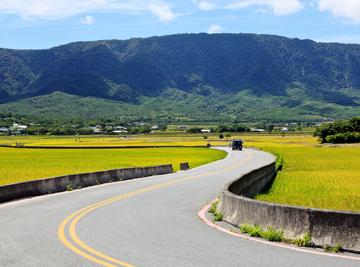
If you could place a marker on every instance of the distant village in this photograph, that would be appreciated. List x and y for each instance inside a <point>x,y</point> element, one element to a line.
<point>38,129</point>
<point>138,128</point>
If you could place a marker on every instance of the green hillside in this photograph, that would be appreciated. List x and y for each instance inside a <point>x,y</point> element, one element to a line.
<point>178,106</point>
<point>241,77</point>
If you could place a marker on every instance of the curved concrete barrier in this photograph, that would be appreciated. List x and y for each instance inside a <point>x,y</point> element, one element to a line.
<point>326,227</point>
<point>75,181</point>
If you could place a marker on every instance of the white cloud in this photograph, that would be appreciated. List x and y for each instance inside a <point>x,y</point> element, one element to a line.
<point>349,9</point>
<point>88,20</point>
<point>162,11</point>
<point>205,5</point>
<point>60,9</point>
<point>215,29</point>
<point>278,7</point>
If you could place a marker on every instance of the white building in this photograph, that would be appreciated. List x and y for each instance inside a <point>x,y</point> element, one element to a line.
<point>205,130</point>
<point>258,130</point>
<point>18,128</point>
<point>120,132</point>
<point>97,129</point>
<point>120,128</point>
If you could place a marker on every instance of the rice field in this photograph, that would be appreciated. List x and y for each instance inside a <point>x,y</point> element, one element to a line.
<point>326,177</point>
<point>17,165</point>
<point>314,175</point>
<point>150,140</point>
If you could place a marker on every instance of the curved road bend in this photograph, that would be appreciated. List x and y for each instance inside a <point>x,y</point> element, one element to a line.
<point>146,222</point>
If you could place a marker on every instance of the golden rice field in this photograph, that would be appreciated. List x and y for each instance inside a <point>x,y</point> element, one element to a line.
<point>326,177</point>
<point>149,140</point>
<point>17,165</point>
<point>322,176</point>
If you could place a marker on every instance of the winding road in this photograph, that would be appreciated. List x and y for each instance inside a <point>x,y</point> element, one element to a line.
<point>144,222</point>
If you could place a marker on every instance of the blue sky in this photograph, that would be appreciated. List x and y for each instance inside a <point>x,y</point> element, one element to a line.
<point>40,24</point>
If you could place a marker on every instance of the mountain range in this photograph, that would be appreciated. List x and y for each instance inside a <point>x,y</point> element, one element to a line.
<point>185,77</point>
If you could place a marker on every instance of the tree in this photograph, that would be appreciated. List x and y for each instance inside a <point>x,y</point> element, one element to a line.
<point>194,130</point>
<point>221,136</point>
<point>341,129</point>
<point>270,128</point>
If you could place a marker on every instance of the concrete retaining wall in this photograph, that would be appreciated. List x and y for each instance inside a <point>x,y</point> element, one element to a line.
<point>62,183</point>
<point>325,226</point>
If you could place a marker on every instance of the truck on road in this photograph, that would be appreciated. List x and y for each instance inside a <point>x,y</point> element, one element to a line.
<point>237,144</point>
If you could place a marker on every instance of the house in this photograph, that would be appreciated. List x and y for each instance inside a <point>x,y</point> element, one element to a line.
<point>97,129</point>
<point>258,130</point>
<point>120,128</point>
<point>137,123</point>
<point>18,128</point>
<point>284,129</point>
<point>205,130</point>
<point>120,132</point>
<point>155,127</point>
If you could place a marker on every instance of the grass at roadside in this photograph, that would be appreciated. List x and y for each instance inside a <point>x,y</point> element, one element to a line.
<point>18,165</point>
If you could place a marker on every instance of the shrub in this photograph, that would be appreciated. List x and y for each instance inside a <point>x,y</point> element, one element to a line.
<point>343,138</point>
<point>194,130</point>
<point>344,130</point>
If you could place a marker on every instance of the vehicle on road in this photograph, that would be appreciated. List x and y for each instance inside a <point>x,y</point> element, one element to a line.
<point>237,144</point>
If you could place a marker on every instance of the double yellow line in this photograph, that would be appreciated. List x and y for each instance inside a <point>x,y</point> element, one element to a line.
<point>74,243</point>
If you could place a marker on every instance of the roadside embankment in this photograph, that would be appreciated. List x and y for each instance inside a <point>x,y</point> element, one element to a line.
<point>326,227</point>
<point>76,181</point>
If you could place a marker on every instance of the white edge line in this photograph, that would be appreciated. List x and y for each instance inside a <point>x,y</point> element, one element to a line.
<point>202,216</point>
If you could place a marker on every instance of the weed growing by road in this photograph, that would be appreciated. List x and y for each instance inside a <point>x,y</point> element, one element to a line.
<point>269,234</point>
<point>252,230</point>
<point>69,187</point>
<point>218,216</point>
<point>304,241</point>
<point>213,209</point>
<point>273,235</point>
<point>334,249</point>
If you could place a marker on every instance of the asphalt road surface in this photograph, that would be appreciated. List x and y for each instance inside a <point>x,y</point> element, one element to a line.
<point>144,222</point>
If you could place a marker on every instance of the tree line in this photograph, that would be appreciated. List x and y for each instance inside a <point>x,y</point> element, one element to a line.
<point>344,131</point>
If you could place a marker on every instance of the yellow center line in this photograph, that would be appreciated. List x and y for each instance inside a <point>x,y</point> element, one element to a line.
<point>84,250</point>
